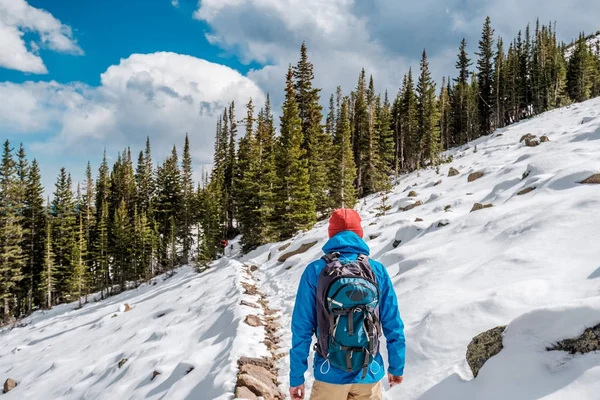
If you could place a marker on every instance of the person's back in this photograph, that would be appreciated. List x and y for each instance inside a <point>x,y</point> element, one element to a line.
<point>360,379</point>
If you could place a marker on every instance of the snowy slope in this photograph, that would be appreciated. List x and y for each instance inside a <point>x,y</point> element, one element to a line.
<point>488,267</point>
<point>187,321</point>
<point>531,261</point>
<point>592,42</point>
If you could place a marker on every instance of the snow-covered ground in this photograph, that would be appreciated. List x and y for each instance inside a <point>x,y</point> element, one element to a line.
<point>184,322</point>
<point>488,267</point>
<point>531,262</point>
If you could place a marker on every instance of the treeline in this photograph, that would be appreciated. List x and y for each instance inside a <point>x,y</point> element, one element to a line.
<point>131,222</point>
<point>118,228</point>
<point>269,187</point>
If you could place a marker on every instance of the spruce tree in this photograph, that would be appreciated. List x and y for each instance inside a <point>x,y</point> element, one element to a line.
<point>579,71</point>
<point>168,203</point>
<point>499,86</point>
<point>445,113</point>
<point>386,139</point>
<point>187,202</point>
<point>48,280</point>
<point>80,271</point>
<point>121,249</point>
<point>266,143</point>
<point>230,168</point>
<point>485,78</point>
<point>343,172</point>
<point>12,259</point>
<point>63,239</point>
<point>35,226</point>
<point>248,187</point>
<point>410,124</point>
<point>460,97</point>
<point>316,143</point>
<point>428,112</point>
<point>295,205</point>
<point>89,222</point>
<point>360,133</point>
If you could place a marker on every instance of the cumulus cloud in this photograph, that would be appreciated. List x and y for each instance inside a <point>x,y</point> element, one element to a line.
<point>17,17</point>
<point>161,95</point>
<point>384,36</point>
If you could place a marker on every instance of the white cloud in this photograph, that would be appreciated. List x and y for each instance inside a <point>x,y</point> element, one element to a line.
<point>16,18</point>
<point>161,95</point>
<point>384,36</point>
<point>175,3</point>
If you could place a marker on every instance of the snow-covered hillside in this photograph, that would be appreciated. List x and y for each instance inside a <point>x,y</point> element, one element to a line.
<point>593,41</point>
<point>531,262</point>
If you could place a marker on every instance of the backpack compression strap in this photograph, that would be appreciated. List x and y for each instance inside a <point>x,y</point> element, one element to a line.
<point>331,257</point>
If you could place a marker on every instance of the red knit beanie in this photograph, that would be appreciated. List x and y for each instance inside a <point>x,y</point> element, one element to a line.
<point>345,219</point>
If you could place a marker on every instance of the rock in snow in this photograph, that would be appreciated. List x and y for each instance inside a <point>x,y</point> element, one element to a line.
<point>9,385</point>
<point>483,347</point>
<point>474,176</point>
<point>586,343</point>
<point>453,172</point>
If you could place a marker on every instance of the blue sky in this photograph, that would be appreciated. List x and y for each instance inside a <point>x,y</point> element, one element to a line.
<point>80,76</point>
<point>109,30</point>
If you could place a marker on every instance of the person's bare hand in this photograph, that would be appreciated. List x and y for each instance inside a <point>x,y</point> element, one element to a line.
<point>297,393</point>
<point>394,380</point>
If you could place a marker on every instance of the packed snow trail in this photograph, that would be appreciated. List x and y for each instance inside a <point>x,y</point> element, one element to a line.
<point>531,261</point>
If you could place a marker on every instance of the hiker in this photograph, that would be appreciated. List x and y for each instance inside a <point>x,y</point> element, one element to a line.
<point>347,301</point>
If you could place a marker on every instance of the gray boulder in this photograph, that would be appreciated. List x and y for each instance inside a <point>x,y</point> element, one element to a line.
<point>483,347</point>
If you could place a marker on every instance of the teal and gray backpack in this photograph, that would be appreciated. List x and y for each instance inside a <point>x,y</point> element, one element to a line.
<point>348,326</point>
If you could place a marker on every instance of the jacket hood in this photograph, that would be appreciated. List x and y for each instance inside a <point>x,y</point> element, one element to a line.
<point>346,242</point>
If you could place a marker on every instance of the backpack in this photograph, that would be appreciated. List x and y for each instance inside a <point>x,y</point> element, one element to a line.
<point>348,326</point>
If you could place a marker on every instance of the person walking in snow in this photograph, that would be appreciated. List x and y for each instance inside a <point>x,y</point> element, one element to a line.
<point>347,301</point>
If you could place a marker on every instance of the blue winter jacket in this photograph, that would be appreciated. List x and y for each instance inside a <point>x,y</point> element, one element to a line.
<point>304,320</point>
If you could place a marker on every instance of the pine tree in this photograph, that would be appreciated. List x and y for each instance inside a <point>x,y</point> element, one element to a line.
<point>187,199</point>
<point>144,178</point>
<point>79,279</point>
<point>120,250</point>
<point>474,98</point>
<point>168,203</point>
<point>485,78</point>
<point>101,235</point>
<point>428,112</point>
<point>248,187</point>
<point>330,124</point>
<point>63,215</point>
<point>460,102</point>
<point>360,133</point>
<point>229,172</point>
<point>579,71</point>
<point>49,274</point>
<point>35,225</point>
<point>397,126</point>
<point>386,139</point>
<point>445,113</point>
<point>410,124</point>
<point>499,86</point>
<point>295,206</point>
<point>266,144</point>
<point>343,171</point>
<point>11,233</point>
<point>89,222</point>
<point>316,143</point>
